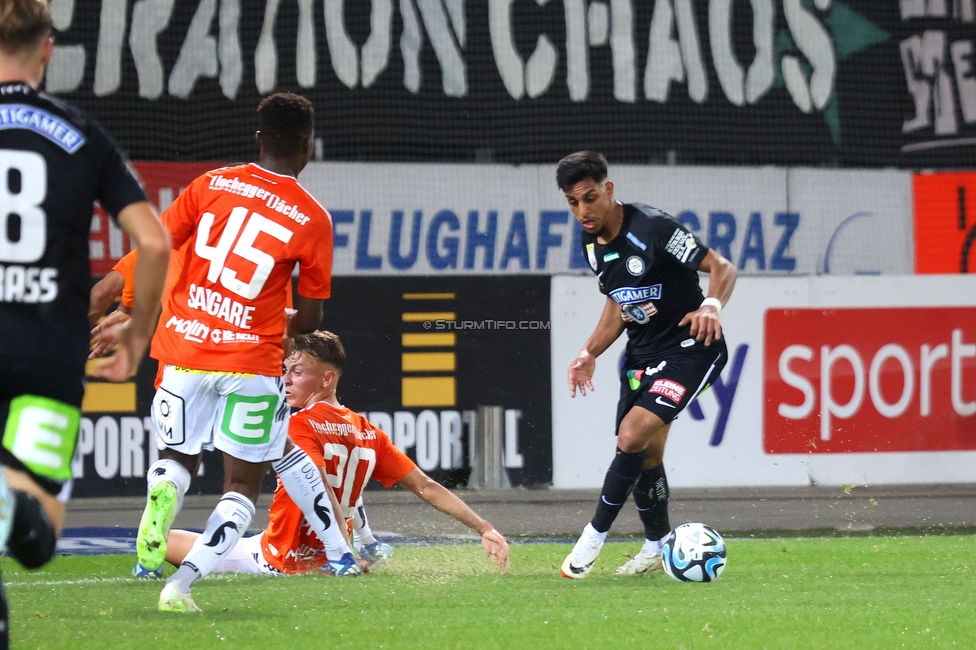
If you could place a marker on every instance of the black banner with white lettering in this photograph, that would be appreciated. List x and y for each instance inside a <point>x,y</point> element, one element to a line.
<point>422,355</point>
<point>788,82</point>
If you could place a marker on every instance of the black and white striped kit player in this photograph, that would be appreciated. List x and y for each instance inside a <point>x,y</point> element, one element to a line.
<point>647,266</point>
<point>651,270</point>
<point>55,163</point>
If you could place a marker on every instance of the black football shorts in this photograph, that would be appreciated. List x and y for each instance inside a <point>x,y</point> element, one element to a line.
<point>40,411</point>
<point>666,383</point>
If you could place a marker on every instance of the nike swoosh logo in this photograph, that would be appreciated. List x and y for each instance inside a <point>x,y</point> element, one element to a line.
<point>668,404</point>
<point>579,569</point>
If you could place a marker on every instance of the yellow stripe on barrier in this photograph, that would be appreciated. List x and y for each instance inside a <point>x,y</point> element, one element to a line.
<point>428,361</point>
<point>420,316</point>
<point>428,296</point>
<point>102,397</point>
<point>429,391</point>
<point>438,340</point>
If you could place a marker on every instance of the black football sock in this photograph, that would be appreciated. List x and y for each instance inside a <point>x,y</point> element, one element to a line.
<point>651,498</point>
<point>32,537</point>
<point>620,478</point>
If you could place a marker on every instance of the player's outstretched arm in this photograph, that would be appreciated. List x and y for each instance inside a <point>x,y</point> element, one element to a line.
<point>103,294</point>
<point>608,329</point>
<point>704,321</point>
<point>449,503</point>
<point>143,225</point>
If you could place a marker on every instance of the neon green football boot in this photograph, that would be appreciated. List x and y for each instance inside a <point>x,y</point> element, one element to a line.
<point>154,527</point>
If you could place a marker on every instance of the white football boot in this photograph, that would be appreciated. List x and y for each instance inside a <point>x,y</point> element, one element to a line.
<point>646,561</point>
<point>581,559</point>
<point>172,599</point>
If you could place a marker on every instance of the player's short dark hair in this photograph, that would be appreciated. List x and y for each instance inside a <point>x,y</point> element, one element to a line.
<point>23,23</point>
<point>580,166</point>
<point>285,121</point>
<point>324,346</point>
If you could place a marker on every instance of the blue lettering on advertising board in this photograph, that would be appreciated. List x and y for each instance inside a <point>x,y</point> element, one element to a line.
<point>548,241</point>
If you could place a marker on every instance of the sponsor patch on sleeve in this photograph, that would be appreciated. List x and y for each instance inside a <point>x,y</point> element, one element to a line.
<point>682,244</point>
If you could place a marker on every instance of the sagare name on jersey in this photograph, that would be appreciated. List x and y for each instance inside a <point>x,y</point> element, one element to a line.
<point>219,306</point>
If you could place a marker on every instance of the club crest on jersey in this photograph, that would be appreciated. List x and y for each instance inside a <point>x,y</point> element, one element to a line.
<point>682,244</point>
<point>635,265</point>
<point>631,295</point>
<point>591,255</point>
<point>640,314</point>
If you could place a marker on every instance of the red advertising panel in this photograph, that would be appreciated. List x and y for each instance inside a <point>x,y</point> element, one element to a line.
<point>164,181</point>
<point>945,222</point>
<point>866,380</point>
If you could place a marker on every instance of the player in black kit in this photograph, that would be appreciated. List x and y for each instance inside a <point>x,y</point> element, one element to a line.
<point>647,265</point>
<point>54,163</point>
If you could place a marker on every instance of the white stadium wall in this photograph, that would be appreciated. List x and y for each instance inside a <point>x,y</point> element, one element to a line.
<point>892,357</point>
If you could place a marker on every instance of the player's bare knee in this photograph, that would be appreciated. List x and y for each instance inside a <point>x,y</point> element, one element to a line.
<point>630,440</point>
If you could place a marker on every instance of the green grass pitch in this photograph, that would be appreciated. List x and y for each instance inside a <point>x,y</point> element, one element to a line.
<point>862,592</point>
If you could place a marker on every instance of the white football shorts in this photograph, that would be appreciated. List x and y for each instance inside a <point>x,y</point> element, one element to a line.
<point>245,416</point>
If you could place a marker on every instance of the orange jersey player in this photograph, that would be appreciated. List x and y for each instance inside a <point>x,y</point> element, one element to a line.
<point>119,284</point>
<point>350,450</point>
<point>219,337</point>
<point>245,228</point>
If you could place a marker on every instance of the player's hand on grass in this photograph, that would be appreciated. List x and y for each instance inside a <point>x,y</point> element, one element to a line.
<point>105,336</point>
<point>581,373</point>
<point>496,548</point>
<point>705,325</point>
<point>124,363</point>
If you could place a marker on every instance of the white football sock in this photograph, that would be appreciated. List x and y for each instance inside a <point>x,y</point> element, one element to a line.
<point>304,485</point>
<point>361,531</point>
<point>653,546</point>
<point>594,533</point>
<point>226,524</point>
<point>166,469</point>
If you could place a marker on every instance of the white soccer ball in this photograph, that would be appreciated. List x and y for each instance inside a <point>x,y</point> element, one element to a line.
<point>694,553</point>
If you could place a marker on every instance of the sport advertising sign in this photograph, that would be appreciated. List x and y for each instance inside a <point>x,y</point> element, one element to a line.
<point>830,381</point>
<point>856,380</point>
